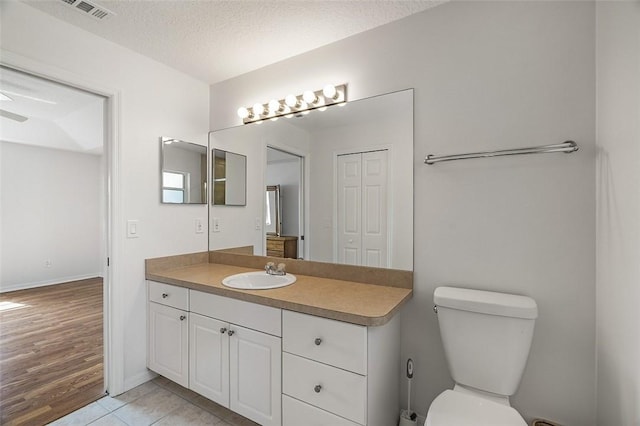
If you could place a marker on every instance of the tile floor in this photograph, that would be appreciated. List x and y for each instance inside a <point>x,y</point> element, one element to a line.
<point>158,402</point>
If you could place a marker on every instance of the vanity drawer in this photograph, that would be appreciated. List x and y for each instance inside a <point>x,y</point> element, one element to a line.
<point>250,315</point>
<point>296,413</point>
<point>332,342</point>
<point>340,392</point>
<point>170,295</point>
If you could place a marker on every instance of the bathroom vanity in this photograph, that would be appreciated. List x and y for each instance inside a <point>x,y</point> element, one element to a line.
<point>320,351</point>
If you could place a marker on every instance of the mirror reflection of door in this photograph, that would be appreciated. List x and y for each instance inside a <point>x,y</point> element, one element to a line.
<point>285,170</point>
<point>362,209</point>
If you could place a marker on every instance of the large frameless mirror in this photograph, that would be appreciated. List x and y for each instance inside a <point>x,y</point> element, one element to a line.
<point>345,179</point>
<point>183,172</point>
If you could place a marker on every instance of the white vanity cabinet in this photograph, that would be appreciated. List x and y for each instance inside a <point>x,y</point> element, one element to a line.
<point>337,373</point>
<point>236,355</point>
<point>273,366</point>
<point>168,347</point>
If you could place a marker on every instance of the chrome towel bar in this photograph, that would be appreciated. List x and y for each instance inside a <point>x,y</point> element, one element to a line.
<point>567,147</point>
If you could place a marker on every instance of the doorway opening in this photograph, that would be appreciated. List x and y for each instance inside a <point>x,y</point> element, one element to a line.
<point>284,222</point>
<point>54,246</point>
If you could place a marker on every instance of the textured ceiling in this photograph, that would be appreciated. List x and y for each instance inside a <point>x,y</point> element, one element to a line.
<point>215,40</point>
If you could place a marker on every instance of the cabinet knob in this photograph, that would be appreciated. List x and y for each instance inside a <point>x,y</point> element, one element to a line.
<point>318,341</point>
<point>317,388</point>
<point>223,330</point>
<point>182,317</point>
<point>231,333</point>
<point>165,295</point>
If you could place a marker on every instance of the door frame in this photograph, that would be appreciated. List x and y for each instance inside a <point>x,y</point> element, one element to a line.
<point>113,326</point>
<point>303,203</point>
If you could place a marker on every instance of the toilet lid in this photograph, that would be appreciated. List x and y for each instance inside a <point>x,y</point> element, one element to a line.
<point>460,409</point>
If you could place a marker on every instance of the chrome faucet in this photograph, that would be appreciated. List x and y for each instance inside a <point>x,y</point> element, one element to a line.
<point>272,269</point>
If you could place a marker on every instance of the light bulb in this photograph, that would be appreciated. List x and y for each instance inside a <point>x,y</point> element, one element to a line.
<point>330,91</point>
<point>292,101</point>
<point>275,106</point>
<point>243,112</point>
<point>258,109</point>
<point>309,97</point>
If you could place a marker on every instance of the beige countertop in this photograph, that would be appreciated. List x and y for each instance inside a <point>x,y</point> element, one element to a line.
<point>358,303</point>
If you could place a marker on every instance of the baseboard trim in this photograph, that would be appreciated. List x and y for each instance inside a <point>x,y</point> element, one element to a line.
<point>138,379</point>
<point>60,280</point>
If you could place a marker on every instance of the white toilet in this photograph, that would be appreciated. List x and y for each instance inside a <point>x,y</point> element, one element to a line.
<point>486,338</point>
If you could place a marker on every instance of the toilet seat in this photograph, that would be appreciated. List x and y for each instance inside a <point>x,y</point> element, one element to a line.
<point>452,408</point>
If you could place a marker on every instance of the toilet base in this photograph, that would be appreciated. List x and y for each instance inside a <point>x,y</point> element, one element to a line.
<point>454,408</point>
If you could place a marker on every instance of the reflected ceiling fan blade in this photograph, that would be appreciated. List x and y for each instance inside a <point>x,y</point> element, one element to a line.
<point>12,116</point>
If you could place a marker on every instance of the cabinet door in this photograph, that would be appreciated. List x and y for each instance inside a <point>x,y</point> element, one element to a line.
<point>209,359</point>
<point>168,350</point>
<point>255,375</point>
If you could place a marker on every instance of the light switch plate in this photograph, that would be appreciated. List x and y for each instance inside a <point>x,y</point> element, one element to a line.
<point>133,228</point>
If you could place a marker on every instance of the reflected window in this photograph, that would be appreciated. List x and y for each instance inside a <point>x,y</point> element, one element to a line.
<point>173,187</point>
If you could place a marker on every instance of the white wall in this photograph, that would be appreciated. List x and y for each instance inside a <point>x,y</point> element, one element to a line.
<point>486,75</point>
<point>618,212</point>
<point>151,100</point>
<point>50,211</point>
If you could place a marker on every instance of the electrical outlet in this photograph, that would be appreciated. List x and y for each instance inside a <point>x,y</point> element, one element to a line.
<point>215,224</point>
<point>47,263</point>
<point>199,226</point>
<point>258,224</point>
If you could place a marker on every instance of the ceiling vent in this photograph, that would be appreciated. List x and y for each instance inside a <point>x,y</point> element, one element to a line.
<point>90,9</point>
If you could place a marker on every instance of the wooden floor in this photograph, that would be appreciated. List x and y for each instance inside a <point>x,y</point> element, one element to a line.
<point>51,351</point>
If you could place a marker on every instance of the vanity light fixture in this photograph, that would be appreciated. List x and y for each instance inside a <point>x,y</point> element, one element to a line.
<point>276,107</point>
<point>258,110</point>
<point>244,113</point>
<point>295,104</point>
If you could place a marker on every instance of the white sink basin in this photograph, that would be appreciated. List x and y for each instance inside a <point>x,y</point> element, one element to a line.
<point>258,280</point>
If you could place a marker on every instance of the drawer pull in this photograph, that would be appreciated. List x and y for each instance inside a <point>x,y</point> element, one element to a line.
<point>182,317</point>
<point>223,330</point>
<point>317,388</point>
<point>318,341</point>
<point>231,333</point>
<point>165,295</point>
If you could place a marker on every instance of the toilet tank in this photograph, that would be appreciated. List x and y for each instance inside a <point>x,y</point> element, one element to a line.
<point>486,336</point>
